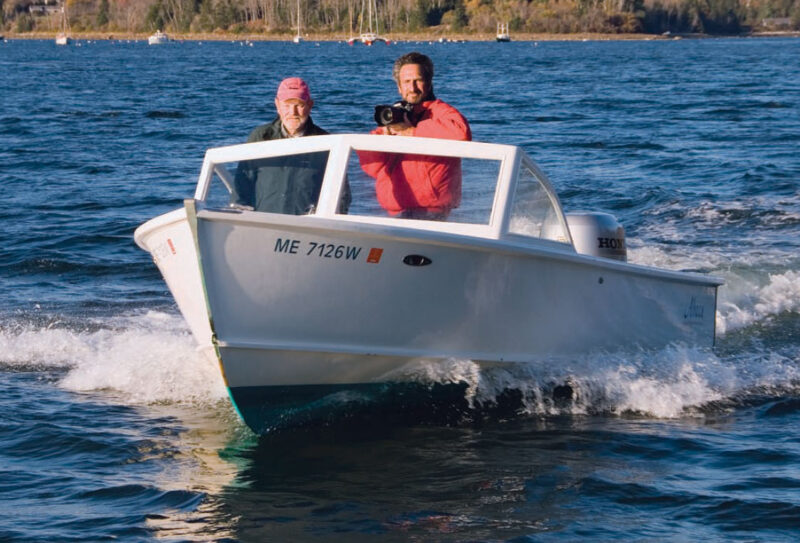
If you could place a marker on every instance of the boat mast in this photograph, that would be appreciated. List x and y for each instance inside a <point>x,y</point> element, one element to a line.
<point>298,18</point>
<point>374,16</point>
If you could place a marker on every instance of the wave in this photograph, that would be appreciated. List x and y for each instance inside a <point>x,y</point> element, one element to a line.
<point>767,218</point>
<point>674,382</point>
<point>144,359</point>
<point>747,302</point>
<point>164,114</point>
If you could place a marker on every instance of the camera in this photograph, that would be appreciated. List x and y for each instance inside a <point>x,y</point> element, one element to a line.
<point>393,114</point>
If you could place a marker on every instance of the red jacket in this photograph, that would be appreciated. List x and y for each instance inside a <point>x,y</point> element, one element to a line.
<point>420,182</point>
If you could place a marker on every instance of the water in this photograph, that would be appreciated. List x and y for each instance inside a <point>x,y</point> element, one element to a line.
<point>114,428</point>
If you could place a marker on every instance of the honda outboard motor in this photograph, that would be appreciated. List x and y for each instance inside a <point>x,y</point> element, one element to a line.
<point>597,234</point>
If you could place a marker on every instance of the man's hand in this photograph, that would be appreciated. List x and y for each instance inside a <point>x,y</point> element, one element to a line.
<point>399,129</point>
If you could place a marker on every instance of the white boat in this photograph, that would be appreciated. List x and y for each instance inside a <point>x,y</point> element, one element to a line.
<point>372,33</point>
<point>63,37</point>
<point>502,32</point>
<point>305,306</point>
<point>158,38</point>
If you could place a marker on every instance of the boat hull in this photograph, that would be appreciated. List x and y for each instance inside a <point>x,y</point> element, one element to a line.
<point>296,302</point>
<point>272,408</point>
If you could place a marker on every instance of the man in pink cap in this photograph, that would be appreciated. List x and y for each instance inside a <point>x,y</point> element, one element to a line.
<point>288,184</point>
<point>293,102</point>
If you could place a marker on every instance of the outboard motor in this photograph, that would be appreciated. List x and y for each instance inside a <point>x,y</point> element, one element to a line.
<point>597,234</point>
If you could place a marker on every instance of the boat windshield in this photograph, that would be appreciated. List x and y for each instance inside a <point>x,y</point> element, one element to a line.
<point>290,184</point>
<point>484,189</point>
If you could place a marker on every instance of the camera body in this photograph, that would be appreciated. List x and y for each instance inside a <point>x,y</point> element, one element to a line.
<point>392,114</point>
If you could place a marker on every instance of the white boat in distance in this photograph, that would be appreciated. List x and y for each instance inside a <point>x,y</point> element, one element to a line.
<point>502,32</point>
<point>158,38</point>
<point>371,35</point>
<point>298,38</point>
<point>63,37</point>
<point>308,306</point>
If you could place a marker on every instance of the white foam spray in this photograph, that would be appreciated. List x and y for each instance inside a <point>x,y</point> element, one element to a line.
<point>677,381</point>
<point>148,358</point>
<point>747,301</point>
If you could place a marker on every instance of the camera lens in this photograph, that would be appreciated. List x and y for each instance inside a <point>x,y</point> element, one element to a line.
<point>387,116</point>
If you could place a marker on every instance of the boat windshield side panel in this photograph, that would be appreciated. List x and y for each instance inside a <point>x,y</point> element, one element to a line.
<point>535,209</point>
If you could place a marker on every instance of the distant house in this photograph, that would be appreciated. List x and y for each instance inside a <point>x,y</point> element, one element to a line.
<point>776,22</point>
<point>45,7</point>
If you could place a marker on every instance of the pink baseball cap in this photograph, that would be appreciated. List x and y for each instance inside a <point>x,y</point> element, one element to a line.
<point>293,87</point>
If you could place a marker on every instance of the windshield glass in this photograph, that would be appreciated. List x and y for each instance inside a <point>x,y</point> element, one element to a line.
<point>288,184</point>
<point>533,212</point>
<point>413,186</point>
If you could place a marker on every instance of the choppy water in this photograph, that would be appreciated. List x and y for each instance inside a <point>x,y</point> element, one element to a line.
<point>114,428</point>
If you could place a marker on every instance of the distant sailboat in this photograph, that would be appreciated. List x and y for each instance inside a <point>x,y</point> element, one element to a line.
<point>298,38</point>
<point>63,37</point>
<point>372,34</point>
<point>502,32</point>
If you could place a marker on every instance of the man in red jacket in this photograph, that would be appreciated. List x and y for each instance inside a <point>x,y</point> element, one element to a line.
<point>418,186</point>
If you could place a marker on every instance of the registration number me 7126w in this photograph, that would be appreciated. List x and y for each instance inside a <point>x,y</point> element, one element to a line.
<point>318,249</point>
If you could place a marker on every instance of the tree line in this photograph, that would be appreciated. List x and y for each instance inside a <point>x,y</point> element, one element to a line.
<point>345,17</point>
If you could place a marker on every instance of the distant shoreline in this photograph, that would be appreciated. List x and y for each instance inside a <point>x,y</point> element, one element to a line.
<point>398,37</point>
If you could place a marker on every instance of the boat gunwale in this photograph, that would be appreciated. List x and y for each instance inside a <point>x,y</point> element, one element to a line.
<point>515,245</point>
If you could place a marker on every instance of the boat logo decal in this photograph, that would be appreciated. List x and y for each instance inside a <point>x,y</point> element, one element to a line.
<point>171,246</point>
<point>615,244</point>
<point>374,255</point>
<point>417,260</point>
<point>694,311</point>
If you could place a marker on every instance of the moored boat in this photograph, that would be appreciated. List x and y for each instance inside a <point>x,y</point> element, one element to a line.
<point>158,38</point>
<point>502,33</point>
<point>298,38</point>
<point>372,33</point>
<point>296,308</point>
<point>63,37</point>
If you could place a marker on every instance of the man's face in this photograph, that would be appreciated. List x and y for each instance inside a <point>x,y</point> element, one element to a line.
<point>293,113</point>
<point>412,85</point>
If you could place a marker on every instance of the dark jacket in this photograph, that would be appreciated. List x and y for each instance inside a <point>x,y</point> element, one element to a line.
<point>286,184</point>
